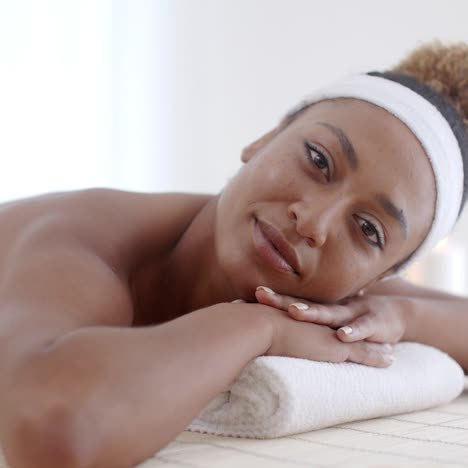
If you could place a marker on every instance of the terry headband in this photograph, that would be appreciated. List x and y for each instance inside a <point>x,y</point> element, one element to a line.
<point>432,130</point>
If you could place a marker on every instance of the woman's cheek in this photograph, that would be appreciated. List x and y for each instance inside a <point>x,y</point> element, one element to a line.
<point>345,274</point>
<point>325,287</point>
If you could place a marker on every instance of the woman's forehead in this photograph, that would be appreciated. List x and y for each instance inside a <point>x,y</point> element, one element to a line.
<point>361,119</point>
<point>365,133</point>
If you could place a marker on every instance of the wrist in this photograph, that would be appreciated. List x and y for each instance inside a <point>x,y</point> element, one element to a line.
<point>257,321</point>
<point>269,326</point>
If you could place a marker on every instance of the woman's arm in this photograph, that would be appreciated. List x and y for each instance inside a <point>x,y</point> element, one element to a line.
<point>401,287</point>
<point>433,317</point>
<point>113,396</point>
<point>442,323</point>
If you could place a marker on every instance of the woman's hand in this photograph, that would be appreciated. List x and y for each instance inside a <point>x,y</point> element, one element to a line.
<point>293,338</point>
<point>378,319</point>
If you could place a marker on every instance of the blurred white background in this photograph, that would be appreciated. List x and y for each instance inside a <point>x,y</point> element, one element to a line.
<point>161,95</point>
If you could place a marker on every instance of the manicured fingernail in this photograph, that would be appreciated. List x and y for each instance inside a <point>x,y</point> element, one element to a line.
<point>346,330</point>
<point>267,290</point>
<point>238,301</point>
<point>387,347</point>
<point>389,357</point>
<point>300,306</point>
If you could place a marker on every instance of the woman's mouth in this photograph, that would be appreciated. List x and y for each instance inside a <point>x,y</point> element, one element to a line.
<point>263,238</point>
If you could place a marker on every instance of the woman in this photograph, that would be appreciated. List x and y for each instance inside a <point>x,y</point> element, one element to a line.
<point>124,314</point>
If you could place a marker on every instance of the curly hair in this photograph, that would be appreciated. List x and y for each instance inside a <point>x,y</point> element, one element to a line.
<point>444,68</point>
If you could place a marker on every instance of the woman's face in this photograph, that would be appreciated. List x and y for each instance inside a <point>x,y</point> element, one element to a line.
<point>346,184</point>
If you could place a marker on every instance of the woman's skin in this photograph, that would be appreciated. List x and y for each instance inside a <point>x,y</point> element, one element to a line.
<point>121,302</point>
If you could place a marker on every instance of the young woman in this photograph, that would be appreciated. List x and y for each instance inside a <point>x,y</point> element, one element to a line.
<point>117,320</point>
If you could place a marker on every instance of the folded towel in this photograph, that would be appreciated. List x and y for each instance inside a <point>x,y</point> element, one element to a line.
<point>275,396</point>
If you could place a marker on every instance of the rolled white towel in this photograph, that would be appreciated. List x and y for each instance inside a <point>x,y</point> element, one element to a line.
<point>275,396</point>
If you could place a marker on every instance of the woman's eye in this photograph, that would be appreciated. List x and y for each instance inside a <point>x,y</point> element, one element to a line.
<point>371,232</point>
<point>319,160</point>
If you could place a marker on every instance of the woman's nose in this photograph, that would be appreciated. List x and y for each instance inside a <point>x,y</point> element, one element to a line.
<point>313,222</point>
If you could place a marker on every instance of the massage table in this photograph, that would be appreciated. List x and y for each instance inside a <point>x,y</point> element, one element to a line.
<point>436,438</point>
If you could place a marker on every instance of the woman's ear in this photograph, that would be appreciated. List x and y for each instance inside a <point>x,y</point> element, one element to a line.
<point>250,150</point>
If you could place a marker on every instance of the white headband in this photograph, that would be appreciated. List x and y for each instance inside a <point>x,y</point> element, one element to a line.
<point>432,130</point>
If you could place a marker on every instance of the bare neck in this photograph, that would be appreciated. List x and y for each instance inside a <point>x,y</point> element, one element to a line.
<point>190,278</point>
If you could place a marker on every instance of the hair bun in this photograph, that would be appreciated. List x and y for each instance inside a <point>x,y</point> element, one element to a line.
<point>444,68</point>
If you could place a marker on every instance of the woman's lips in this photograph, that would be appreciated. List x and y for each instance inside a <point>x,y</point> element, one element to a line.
<point>267,251</point>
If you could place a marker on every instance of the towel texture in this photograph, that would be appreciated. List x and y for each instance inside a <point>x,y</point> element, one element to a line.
<point>277,396</point>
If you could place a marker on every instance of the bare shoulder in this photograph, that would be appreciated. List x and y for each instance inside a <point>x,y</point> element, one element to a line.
<point>65,258</point>
<point>119,226</point>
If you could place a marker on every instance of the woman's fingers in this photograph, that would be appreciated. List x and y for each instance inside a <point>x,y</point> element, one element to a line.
<point>333,315</point>
<point>377,324</point>
<point>362,328</point>
<point>371,354</point>
<point>267,296</point>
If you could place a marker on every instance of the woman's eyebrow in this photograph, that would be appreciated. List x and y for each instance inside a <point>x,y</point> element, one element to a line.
<point>393,211</point>
<point>346,145</point>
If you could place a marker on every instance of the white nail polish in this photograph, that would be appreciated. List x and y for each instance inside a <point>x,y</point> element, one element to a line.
<point>300,306</point>
<point>346,330</point>
<point>238,301</point>
<point>267,290</point>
